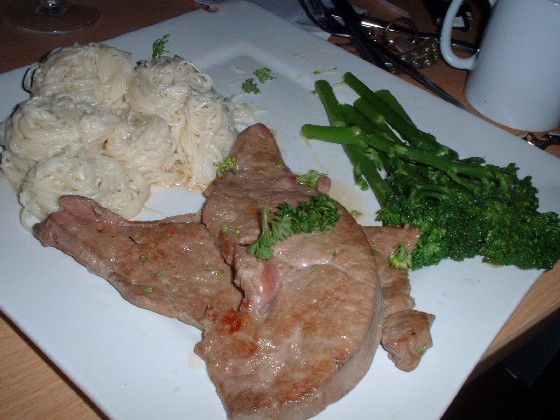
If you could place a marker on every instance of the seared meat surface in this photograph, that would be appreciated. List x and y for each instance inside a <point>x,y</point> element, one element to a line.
<point>406,337</point>
<point>282,338</point>
<point>406,332</point>
<point>168,266</point>
<point>310,320</point>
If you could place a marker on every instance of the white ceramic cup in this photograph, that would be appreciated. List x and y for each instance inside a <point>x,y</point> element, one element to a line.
<point>514,77</point>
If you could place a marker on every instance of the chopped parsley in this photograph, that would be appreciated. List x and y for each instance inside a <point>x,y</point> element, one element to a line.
<point>319,213</point>
<point>356,213</point>
<point>311,178</point>
<point>263,74</point>
<point>148,290</point>
<point>249,86</point>
<point>158,47</point>
<point>225,166</point>
<point>163,272</point>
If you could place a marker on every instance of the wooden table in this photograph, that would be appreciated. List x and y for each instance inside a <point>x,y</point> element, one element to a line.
<point>30,385</point>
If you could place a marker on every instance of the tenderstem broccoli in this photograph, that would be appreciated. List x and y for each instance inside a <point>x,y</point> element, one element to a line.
<point>465,207</point>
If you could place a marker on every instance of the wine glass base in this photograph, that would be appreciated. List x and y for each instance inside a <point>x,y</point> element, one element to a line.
<point>73,17</point>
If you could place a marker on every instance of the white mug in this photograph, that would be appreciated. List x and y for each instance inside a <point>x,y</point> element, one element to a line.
<point>514,77</point>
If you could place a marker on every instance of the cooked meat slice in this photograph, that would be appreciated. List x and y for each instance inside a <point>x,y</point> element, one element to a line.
<point>395,283</point>
<point>404,330</point>
<point>406,336</point>
<point>309,323</point>
<point>168,266</point>
<point>384,239</point>
<point>396,294</point>
<point>235,201</point>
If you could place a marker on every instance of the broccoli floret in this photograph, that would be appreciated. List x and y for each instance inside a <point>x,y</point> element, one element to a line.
<point>400,258</point>
<point>159,46</point>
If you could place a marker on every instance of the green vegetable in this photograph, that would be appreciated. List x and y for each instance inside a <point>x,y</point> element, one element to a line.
<point>249,86</point>
<point>356,213</point>
<point>163,272</point>
<point>465,207</point>
<point>400,258</point>
<point>310,179</point>
<point>225,166</point>
<point>318,213</point>
<point>263,74</point>
<point>158,47</point>
<point>148,290</point>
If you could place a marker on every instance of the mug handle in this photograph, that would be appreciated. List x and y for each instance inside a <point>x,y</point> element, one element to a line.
<point>445,40</point>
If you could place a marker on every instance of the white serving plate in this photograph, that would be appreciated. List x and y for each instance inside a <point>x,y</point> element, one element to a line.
<point>135,364</point>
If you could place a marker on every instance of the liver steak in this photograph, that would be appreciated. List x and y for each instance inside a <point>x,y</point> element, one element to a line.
<point>169,266</point>
<point>310,319</point>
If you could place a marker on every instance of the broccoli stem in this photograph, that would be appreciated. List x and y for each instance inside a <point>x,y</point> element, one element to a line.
<point>330,103</point>
<point>402,125</point>
<point>370,113</point>
<point>454,169</point>
<point>387,97</point>
<point>365,168</point>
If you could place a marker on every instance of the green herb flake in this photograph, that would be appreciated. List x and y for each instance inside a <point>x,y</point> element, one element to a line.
<point>356,213</point>
<point>226,228</point>
<point>237,231</point>
<point>143,258</point>
<point>249,86</point>
<point>215,271</point>
<point>163,272</point>
<point>263,74</point>
<point>310,179</point>
<point>225,166</point>
<point>158,47</point>
<point>148,290</point>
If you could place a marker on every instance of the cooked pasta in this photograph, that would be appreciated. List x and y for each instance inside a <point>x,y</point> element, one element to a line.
<point>98,126</point>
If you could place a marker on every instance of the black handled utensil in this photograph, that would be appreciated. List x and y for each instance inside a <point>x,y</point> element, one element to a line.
<point>352,25</point>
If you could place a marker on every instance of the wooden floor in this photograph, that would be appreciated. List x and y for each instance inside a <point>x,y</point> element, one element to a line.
<point>497,395</point>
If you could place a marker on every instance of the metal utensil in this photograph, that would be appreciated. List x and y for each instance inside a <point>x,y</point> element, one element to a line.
<point>371,24</point>
<point>318,13</point>
<point>382,57</point>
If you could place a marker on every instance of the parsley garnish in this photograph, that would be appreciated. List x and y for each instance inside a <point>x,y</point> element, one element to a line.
<point>163,272</point>
<point>319,213</point>
<point>311,178</point>
<point>249,86</point>
<point>225,166</point>
<point>263,74</point>
<point>158,47</point>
